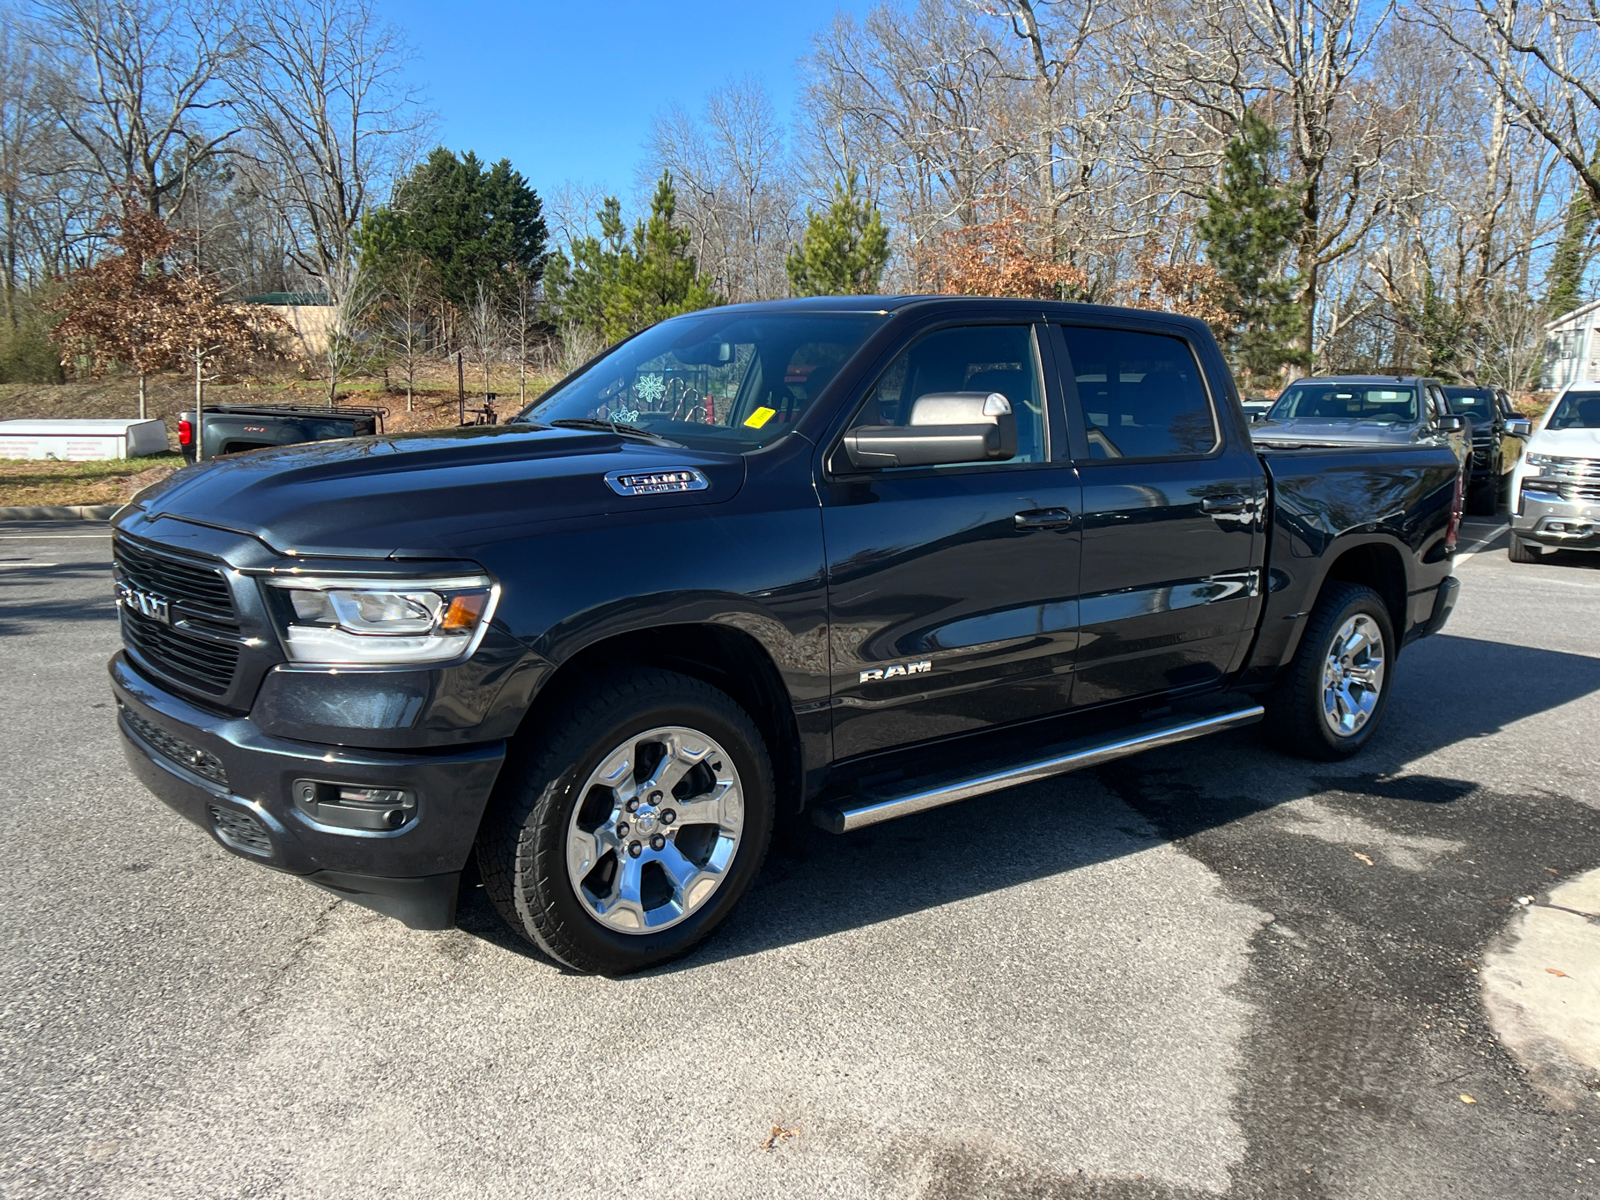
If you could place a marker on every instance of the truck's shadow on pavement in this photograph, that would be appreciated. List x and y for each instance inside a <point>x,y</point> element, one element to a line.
<point>1449,690</point>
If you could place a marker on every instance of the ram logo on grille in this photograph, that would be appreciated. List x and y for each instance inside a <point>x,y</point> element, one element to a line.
<point>146,604</point>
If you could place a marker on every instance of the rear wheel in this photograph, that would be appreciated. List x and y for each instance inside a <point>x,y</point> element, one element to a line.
<point>1518,551</point>
<point>630,829</point>
<point>1330,699</point>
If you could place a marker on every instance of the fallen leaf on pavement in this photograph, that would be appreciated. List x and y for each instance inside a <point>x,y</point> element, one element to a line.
<point>1363,858</point>
<point>1553,971</point>
<point>778,1134</point>
<point>1466,1099</point>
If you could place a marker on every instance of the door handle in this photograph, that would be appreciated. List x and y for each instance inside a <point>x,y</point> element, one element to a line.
<point>1044,518</point>
<point>1223,504</point>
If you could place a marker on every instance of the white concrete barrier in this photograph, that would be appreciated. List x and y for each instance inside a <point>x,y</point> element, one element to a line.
<point>81,440</point>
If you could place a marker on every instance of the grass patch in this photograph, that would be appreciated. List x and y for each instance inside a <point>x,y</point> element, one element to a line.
<point>32,481</point>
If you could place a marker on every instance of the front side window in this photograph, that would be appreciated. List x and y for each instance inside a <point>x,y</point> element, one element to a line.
<point>1314,401</point>
<point>718,381</point>
<point>1141,393</point>
<point>1577,410</point>
<point>970,358</point>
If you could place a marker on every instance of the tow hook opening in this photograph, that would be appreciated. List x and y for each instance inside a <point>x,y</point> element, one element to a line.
<point>355,806</point>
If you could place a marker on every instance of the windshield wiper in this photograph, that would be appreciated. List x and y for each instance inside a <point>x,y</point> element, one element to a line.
<point>610,426</point>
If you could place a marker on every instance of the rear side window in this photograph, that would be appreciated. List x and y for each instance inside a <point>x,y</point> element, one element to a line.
<point>1140,393</point>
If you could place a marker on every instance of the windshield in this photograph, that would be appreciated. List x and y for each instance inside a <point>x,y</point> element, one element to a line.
<point>1577,410</point>
<point>712,380</point>
<point>1471,401</point>
<point>1346,402</point>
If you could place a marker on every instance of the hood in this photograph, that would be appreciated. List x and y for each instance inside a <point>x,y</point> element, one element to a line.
<point>1566,443</point>
<point>1301,431</point>
<point>425,495</point>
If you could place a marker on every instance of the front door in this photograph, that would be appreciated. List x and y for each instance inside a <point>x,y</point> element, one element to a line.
<point>1170,585</point>
<point>952,590</point>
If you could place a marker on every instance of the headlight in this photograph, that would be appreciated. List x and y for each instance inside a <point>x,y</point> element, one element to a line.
<point>382,622</point>
<point>1538,462</point>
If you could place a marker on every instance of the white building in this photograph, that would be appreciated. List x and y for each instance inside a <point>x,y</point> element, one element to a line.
<point>1572,348</point>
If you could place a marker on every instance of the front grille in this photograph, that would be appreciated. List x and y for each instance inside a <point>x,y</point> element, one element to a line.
<point>1574,468</point>
<point>240,830</point>
<point>197,645</point>
<point>191,758</point>
<point>198,587</point>
<point>199,662</point>
<point>1580,491</point>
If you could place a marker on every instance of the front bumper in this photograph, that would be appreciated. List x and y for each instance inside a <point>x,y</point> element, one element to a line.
<point>1546,518</point>
<point>235,782</point>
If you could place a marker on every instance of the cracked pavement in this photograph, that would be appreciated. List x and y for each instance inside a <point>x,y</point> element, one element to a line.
<point>1224,973</point>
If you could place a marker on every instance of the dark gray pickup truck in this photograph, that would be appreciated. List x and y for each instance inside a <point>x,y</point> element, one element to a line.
<point>850,557</point>
<point>236,428</point>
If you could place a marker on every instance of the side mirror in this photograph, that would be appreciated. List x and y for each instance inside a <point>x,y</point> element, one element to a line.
<point>1257,416</point>
<point>945,428</point>
<point>1450,423</point>
<point>1519,427</point>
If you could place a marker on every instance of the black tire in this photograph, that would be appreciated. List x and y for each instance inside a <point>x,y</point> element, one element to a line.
<point>1518,551</point>
<point>1295,722</point>
<point>522,844</point>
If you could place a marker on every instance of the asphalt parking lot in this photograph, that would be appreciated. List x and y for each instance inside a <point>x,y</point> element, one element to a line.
<point>1207,971</point>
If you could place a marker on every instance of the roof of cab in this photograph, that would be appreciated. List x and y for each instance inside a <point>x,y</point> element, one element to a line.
<point>893,304</point>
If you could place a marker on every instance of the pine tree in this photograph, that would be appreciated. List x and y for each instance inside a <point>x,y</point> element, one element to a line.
<point>615,287</point>
<point>1570,260</point>
<point>844,250</point>
<point>1247,229</point>
<point>660,278</point>
<point>473,225</point>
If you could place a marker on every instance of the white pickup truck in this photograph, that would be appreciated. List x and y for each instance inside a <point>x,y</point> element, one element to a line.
<point>1555,489</point>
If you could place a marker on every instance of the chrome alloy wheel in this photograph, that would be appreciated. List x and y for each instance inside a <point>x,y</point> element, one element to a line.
<point>655,829</point>
<point>1352,676</point>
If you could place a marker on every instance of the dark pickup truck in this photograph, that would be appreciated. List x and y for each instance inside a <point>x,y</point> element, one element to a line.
<point>851,557</point>
<point>237,428</point>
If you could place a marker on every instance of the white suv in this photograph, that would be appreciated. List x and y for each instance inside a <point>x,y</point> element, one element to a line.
<point>1555,489</point>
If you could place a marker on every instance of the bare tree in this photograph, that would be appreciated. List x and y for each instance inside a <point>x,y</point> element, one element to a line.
<point>736,191</point>
<point>330,119</point>
<point>484,330</point>
<point>1543,59</point>
<point>408,293</point>
<point>140,85</point>
<point>353,294</point>
<point>523,329</point>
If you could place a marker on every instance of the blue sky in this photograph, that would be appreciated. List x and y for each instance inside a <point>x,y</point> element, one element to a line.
<point>567,90</point>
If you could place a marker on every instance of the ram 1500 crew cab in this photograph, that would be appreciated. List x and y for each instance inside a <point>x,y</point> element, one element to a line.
<point>851,557</point>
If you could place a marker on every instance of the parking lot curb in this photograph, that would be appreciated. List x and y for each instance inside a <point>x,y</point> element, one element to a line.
<point>59,512</point>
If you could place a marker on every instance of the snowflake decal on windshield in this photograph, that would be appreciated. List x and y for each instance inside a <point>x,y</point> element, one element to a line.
<point>650,388</point>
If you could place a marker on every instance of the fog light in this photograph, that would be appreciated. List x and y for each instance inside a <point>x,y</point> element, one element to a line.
<point>1557,527</point>
<point>347,806</point>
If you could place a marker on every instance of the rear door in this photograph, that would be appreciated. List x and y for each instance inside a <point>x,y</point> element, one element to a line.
<point>1173,497</point>
<point>952,590</point>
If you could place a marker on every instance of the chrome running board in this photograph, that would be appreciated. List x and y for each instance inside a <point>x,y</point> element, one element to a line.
<point>1068,757</point>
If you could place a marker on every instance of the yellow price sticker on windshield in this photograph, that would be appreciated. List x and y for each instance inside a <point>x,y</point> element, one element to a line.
<point>760,417</point>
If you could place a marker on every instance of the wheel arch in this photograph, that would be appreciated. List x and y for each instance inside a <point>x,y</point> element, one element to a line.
<point>727,658</point>
<point>1380,566</point>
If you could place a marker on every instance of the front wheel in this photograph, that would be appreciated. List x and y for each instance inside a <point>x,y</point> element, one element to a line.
<point>1331,697</point>
<point>627,830</point>
<point>1518,551</point>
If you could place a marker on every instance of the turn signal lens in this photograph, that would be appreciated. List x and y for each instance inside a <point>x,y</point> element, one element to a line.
<point>464,611</point>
